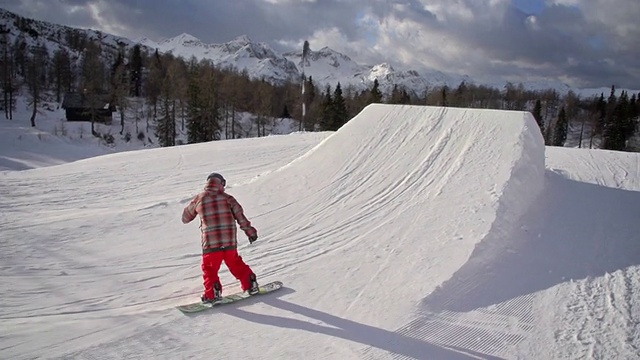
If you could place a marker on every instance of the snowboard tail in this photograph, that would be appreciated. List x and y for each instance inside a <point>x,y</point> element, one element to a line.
<point>229,299</point>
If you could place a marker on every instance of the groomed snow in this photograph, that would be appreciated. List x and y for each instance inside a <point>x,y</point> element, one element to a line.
<point>412,232</point>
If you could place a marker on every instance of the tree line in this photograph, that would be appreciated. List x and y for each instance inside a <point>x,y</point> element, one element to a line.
<point>599,122</point>
<point>204,101</point>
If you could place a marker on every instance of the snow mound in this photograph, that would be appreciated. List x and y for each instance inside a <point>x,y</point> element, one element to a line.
<point>397,190</point>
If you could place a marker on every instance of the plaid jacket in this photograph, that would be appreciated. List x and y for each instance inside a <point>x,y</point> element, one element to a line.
<point>218,212</point>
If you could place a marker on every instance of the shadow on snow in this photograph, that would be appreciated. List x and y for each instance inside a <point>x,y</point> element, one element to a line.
<point>342,328</point>
<point>574,231</point>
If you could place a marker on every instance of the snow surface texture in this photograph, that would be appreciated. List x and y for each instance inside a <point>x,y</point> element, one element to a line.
<point>410,233</point>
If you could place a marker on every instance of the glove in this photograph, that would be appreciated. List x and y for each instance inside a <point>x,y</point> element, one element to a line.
<point>253,238</point>
<point>252,234</point>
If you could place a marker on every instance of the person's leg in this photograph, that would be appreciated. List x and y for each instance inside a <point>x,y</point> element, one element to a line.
<point>238,268</point>
<point>210,266</point>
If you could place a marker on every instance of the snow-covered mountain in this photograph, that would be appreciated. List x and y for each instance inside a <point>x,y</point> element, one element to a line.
<point>54,37</point>
<point>328,66</point>
<point>259,59</point>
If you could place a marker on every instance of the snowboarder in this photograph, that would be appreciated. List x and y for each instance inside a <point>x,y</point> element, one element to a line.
<point>218,213</point>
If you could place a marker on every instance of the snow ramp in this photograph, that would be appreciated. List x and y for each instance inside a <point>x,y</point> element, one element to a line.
<point>392,204</point>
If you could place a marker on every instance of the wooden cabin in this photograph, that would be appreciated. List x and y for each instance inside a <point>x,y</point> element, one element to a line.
<point>79,107</point>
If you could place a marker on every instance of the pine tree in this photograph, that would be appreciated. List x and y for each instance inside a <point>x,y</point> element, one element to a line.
<point>572,110</point>
<point>634,107</point>
<point>153,84</point>
<point>165,120</point>
<point>395,95</point>
<point>509,98</point>
<point>211,110</point>
<point>537,114</point>
<point>399,95</point>
<point>609,111</point>
<point>625,111</point>
<point>375,95</point>
<point>561,129</point>
<point>405,98</point>
<point>339,111</point>
<point>120,87</point>
<point>62,73</point>
<point>424,100</point>
<point>136,71</point>
<point>93,80</point>
<point>620,126</point>
<point>309,99</point>
<point>35,78</point>
<point>265,99</point>
<point>19,51</point>
<point>195,116</point>
<point>445,90</point>
<point>178,74</point>
<point>634,113</point>
<point>202,107</point>
<point>9,83</point>
<point>327,110</point>
<point>285,113</point>
<point>460,95</point>
<point>231,94</point>
<point>601,114</point>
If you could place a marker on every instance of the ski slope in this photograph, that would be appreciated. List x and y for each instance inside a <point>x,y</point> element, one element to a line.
<point>410,233</point>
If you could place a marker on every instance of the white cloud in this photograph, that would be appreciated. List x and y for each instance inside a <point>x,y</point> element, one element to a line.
<point>99,11</point>
<point>334,38</point>
<point>466,10</point>
<point>564,2</point>
<point>532,22</point>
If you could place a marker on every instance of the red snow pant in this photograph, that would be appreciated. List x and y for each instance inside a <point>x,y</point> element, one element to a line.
<point>211,265</point>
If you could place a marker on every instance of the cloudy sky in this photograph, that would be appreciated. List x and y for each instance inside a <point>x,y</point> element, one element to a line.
<point>585,43</point>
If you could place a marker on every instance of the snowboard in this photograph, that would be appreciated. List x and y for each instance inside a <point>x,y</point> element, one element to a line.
<point>229,299</point>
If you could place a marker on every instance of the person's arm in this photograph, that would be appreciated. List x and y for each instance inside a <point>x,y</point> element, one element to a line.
<point>245,224</point>
<point>189,213</point>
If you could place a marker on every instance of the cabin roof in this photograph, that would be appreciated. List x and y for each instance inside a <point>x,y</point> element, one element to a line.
<point>76,100</point>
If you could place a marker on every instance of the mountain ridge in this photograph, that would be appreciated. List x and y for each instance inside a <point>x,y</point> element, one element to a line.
<point>261,61</point>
